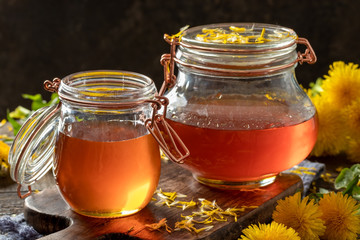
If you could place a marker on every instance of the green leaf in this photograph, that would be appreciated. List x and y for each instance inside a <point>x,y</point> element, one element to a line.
<point>344,178</point>
<point>315,196</point>
<point>323,191</point>
<point>357,197</point>
<point>54,99</point>
<point>356,190</point>
<point>16,126</point>
<point>316,87</point>
<point>350,187</point>
<point>36,97</point>
<point>37,101</point>
<point>20,113</point>
<point>355,169</point>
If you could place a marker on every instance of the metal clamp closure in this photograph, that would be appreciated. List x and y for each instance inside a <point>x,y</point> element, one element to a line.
<point>52,86</point>
<point>309,55</point>
<point>167,60</point>
<point>164,134</point>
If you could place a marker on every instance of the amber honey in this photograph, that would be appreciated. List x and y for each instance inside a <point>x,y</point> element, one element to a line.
<point>245,155</point>
<point>106,178</point>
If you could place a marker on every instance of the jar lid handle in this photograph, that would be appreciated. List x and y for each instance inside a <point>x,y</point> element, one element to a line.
<point>169,142</point>
<point>309,55</point>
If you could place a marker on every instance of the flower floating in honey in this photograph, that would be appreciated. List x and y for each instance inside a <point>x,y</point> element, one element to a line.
<point>301,215</point>
<point>238,35</point>
<point>272,231</point>
<point>341,216</point>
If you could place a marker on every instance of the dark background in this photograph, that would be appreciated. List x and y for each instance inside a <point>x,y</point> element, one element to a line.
<point>44,39</point>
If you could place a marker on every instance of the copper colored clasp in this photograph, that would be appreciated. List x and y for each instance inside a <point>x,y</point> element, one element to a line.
<point>167,60</point>
<point>26,194</point>
<point>52,86</point>
<point>309,55</point>
<point>164,134</point>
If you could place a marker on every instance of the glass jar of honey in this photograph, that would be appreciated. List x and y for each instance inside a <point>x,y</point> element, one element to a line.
<point>97,141</point>
<point>236,103</point>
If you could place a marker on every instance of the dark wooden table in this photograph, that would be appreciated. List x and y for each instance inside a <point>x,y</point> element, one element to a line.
<point>10,203</point>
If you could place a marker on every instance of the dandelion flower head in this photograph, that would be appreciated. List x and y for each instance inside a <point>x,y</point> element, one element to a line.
<point>272,231</point>
<point>4,164</point>
<point>353,150</point>
<point>4,151</point>
<point>341,216</point>
<point>352,113</point>
<point>301,215</point>
<point>331,138</point>
<point>342,84</point>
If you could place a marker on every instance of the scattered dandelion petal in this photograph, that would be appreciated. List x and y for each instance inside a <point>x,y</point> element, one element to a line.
<point>157,226</point>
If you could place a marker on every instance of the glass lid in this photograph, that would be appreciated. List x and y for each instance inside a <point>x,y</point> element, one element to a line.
<point>32,152</point>
<point>239,35</point>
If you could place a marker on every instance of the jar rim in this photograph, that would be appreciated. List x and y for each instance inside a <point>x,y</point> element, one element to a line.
<point>106,87</point>
<point>273,37</point>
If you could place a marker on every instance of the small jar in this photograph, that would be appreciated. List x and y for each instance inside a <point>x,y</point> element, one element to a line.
<point>97,140</point>
<point>236,103</point>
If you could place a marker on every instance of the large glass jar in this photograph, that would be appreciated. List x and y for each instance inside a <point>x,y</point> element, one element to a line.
<point>97,140</point>
<point>236,103</point>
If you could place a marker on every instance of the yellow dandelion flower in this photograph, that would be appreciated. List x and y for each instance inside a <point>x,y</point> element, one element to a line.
<point>342,84</point>
<point>4,164</point>
<point>4,151</point>
<point>341,216</point>
<point>352,113</point>
<point>272,231</point>
<point>331,139</point>
<point>301,215</point>
<point>353,150</point>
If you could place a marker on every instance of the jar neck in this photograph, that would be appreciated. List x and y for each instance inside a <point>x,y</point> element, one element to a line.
<point>241,64</point>
<point>106,89</point>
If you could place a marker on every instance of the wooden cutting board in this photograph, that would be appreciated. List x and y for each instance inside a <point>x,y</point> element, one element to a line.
<point>49,214</point>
